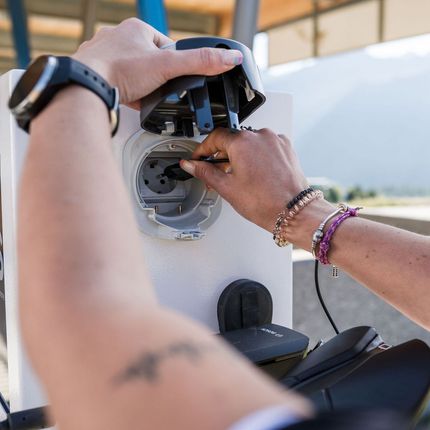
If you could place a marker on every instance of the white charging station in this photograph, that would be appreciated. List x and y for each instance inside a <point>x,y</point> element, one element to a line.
<point>195,244</point>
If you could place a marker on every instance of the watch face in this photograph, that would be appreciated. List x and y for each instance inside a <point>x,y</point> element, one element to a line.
<point>28,81</point>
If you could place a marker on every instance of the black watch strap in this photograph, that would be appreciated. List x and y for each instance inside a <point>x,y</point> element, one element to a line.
<point>74,72</point>
<point>80,74</point>
<point>69,71</point>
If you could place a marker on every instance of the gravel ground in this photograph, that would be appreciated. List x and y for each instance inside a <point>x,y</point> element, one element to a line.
<point>349,303</point>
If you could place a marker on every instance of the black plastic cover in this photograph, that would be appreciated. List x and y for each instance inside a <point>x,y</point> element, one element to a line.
<point>268,343</point>
<point>36,418</point>
<point>243,304</point>
<point>355,420</point>
<point>396,379</point>
<point>337,351</point>
<point>224,100</point>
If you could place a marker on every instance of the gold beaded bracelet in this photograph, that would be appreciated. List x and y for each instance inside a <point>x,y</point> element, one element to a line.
<point>284,218</point>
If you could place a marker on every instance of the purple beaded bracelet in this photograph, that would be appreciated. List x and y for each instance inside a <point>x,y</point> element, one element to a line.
<point>325,242</point>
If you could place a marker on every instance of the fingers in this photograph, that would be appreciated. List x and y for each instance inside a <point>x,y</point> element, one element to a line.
<point>203,61</point>
<point>139,28</point>
<point>160,39</point>
<point>105,29</point>
<point>220,155</point>
<point>218,141</point>
<point>212,176</point>
<point>136,105</point>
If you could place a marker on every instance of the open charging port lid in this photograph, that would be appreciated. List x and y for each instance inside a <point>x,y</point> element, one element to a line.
<point>204,102</point>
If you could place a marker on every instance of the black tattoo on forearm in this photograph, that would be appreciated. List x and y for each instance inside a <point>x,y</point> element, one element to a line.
<point>147,366</point>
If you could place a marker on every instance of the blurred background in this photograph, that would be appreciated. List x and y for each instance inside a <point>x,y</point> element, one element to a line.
<point>359,71</point>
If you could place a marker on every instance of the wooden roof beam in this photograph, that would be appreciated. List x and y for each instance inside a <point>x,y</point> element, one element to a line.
<point>277,12</point>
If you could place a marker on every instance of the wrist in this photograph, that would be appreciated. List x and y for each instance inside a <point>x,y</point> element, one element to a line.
<point>302,227</point>
<point>68,103</point>
<point>99,66</point>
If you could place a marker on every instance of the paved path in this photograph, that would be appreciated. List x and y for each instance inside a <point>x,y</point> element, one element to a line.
<point>350,305</point>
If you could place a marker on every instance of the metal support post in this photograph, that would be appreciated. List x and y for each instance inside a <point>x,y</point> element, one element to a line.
<point>315,28</point>
<point>381,29</point>
<point>245,21</point>
<point>89,15</point>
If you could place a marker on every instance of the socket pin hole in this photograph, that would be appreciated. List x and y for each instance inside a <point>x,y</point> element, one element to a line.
<point>146,182</point>
<point>162,181</point>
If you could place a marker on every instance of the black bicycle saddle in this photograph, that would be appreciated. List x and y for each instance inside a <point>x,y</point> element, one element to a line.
<point>357,370</point>
<point>355,420</point>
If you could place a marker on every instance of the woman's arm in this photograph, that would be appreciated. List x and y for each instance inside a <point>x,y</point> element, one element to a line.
<point>393,263</point>
<point>109,356</point>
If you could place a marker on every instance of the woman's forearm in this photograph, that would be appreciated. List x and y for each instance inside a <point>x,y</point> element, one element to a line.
<point>75,217</point>
<point>393,263</point>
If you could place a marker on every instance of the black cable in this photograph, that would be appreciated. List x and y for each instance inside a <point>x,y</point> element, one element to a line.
<point>4,404</point>
<point>317,287</point>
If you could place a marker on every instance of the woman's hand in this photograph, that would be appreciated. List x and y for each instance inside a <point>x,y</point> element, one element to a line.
<point>263,174</point>
<point>128,57</point>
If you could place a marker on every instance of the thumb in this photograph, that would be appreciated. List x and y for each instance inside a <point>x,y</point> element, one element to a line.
<point>202,61</point>
<point>209,174</point>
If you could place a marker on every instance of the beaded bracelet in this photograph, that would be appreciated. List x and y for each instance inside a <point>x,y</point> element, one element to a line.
<point>299,197</point>
<point>288,206</point>
<point>290,211</point>
<point>283,214</point>
<point>326,241</point>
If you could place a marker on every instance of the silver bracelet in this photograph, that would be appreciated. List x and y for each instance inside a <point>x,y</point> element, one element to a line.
<point>319,232</point>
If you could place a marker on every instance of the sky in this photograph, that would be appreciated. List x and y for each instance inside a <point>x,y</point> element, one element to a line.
<point>362,117</point>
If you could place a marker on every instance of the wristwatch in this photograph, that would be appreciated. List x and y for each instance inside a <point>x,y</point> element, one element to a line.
<point>47,75</point>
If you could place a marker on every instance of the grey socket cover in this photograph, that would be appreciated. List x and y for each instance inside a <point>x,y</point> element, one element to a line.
<point>167,209</point>
<point>205,102</point>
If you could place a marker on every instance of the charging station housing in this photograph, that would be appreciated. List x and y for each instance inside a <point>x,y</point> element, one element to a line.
<point>192,253</point>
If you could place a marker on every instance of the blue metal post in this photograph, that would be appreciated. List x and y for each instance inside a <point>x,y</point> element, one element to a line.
<point>20,32</point>
<point>154,13</point>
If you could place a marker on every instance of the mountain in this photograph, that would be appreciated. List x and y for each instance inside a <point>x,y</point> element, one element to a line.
<point>363,118</point>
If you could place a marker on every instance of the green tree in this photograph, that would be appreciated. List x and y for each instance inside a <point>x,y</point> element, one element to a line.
<point>354,193</point>
<point>333,195</point>
<point>357,192</point>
